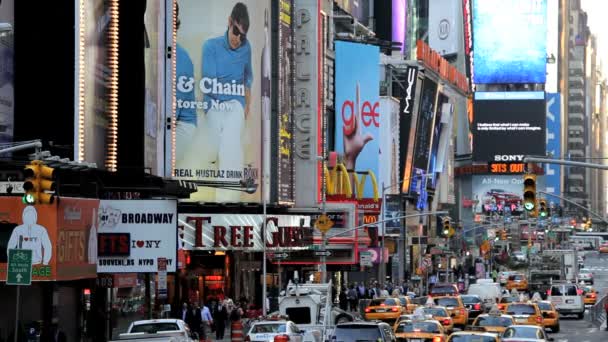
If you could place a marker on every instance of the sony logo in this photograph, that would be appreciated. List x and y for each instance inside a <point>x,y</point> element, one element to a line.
<point>411,80</point>
<point>509,157</point>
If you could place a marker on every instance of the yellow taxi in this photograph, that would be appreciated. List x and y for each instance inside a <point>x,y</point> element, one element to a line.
<point>408,305</point>
<point>383,309</point>
<point>604,248</point>
<point>494,322</point>
<point>590,295</point>
<point>455,308</point>
<point>504,301</point>
<point>470,336</point>
<point>550,315</point>
<point>440,314</point>
<point>525,313</point>
<point>423,330</point>
<point>517,281</point>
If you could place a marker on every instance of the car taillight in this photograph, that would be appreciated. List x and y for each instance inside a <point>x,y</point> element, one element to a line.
<point>478,306</point>
<point>463,312</point>
<point>446,321</point>
<point>247,339</point>
<point>549,292</point>
<point>592,295</point>
<point>539,319</point>
<point>368,310</point>
<point>501,306</point>
<point>394,309</point>
<point>579,292</point>
<point>281,338</point>
<point>437,339</point>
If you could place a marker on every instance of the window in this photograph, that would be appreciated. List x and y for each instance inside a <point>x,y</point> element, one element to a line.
<point>544,306</point>
<point>382,302</point>
<point>521,309</point>
<point>268,328</point>
<point>556,291</point>
<point>447,302</point>
<point>490,321</point>
<point>153,328</point>
<point>470,299</point>
<point>428,327</point>
<point>524,332</point>
<point>571,290</point>
<point>357,332</point>
<point>439,312</point>
<point>299,315</point>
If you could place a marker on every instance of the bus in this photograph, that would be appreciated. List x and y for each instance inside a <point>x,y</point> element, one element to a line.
<point>583,241</point>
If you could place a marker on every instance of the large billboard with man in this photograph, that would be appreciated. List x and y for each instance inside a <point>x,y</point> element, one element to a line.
<point>222,92</point>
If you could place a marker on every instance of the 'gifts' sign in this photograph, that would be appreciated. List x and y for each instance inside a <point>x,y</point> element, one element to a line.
<point>243,232</point>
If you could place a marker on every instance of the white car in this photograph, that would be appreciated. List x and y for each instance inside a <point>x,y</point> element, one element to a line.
<point>265,331</point>
<point>519,256</point>
<point>525,333</point>
<point>585,276</point>
<point>161,329</point>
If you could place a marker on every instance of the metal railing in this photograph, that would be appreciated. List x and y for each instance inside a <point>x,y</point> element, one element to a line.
<point>597,314</point>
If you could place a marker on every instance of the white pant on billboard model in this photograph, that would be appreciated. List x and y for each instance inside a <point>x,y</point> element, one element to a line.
<point>226,148</point>
<point>184,133</point>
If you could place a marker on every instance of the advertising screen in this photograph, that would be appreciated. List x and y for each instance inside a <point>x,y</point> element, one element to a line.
<point>510,41</point>
<point>508,126</point>
<point>497,194</point>
<point>358,108</point>
<point>285,179</point>
<point>223,80</point>
<point>6,71</point>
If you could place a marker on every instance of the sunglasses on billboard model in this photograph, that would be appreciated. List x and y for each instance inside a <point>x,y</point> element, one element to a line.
<point>238,33</point>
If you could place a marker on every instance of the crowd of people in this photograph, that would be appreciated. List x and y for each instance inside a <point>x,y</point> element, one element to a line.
<point>350,296</point>
<point>215,316</point>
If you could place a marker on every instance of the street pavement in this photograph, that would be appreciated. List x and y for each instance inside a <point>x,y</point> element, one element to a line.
<point>581,330</point>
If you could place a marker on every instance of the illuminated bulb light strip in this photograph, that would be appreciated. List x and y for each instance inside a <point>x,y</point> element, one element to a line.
<point>173,79</point>
<point>81,78</point>
<point>112,86</point>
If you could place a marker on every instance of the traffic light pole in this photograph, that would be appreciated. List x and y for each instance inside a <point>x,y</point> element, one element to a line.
<point>575,204</point>
<point>24,146</point>
<point>565,162</point>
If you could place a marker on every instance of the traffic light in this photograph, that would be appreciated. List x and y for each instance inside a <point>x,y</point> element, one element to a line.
<point>446,227</point>
<point>530,193</point>
<point>39,183</point>
<point>543,210</point>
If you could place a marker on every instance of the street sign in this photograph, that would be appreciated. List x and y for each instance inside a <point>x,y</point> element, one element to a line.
<point>280,256</point>
<point>323,253</point>
<point>365,258</point>
<point>324,223</point>
<point>19,270</point>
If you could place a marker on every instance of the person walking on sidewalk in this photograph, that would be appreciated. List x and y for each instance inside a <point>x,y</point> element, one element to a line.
<point>220,317</point>
<point>206,322</point>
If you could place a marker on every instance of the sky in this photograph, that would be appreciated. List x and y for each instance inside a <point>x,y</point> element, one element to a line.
<point>596,13</point>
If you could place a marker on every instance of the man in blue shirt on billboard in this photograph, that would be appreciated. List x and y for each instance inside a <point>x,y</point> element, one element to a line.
<point>226,86</point>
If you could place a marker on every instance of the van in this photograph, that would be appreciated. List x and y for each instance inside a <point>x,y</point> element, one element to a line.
<point>490,293</point>
<point>567,299</point>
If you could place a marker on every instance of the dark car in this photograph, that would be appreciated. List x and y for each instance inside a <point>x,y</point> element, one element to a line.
<point>444,289</point>
<point>363,331</point>
<point>473,304</point>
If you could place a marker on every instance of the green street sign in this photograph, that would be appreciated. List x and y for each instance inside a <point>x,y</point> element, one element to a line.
<point>19,267</point>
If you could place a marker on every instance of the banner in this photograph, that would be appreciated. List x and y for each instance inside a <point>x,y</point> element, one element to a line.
<point>444,28</point>
<point>389,144</point>
<point>285,169</point>
<point>7,53</point>
<point>62,237</point>
<point>223,81</point>
<point>510,41</point>
<point>357,109</point>
<point>553,173</point>
<point>244,232</point>
<point>499,194</point>
<point>134,234</point>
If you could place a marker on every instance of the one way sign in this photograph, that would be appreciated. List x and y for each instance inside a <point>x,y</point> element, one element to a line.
<point>19,267</point>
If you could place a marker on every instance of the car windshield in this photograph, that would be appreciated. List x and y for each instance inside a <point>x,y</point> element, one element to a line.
<point>359,332</point>
<point>509,299</point>
<point>472,338</point>
<point>523,332</point>
<point>544,306</point>
<point>494,321</point>
<point>516,277</point>
<point>153,328</point>
<point>571,290</point>
<point>584,270</point>
<point>442,290</point>
<point>383,302</point>
<point>521,309</point>
<point>470,299</point>
<point>269,328</point>
<point>440,312</point>
<point>446,302</point>
<point>428,327</point>
<point>403,301</point>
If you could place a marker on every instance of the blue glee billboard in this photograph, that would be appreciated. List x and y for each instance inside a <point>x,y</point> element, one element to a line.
<point>358,108</point>
<point>510,41</point>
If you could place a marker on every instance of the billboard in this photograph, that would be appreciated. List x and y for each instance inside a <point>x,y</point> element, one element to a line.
<point>407,123</point>
<point>7,53</point>
<point>285,169</point>
<point>388,174</point>
<point>399,22</point>
<point>444,26</point>
<point>134,234</point>
<point>553,174</point>
<point>508,125</point>
<point>510,41</point>
<point>357,108</point>
<point>552,45</point>
<point>62,237</point>
<point>222,93</point>
<point>497,194</point>
<point>424,130</point>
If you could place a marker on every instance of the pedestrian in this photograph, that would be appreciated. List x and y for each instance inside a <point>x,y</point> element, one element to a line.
<point>343,297</point>
<point>220,316</point>
<point>606,309</point>
<point>353,299</point>
<point>206,322</point>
